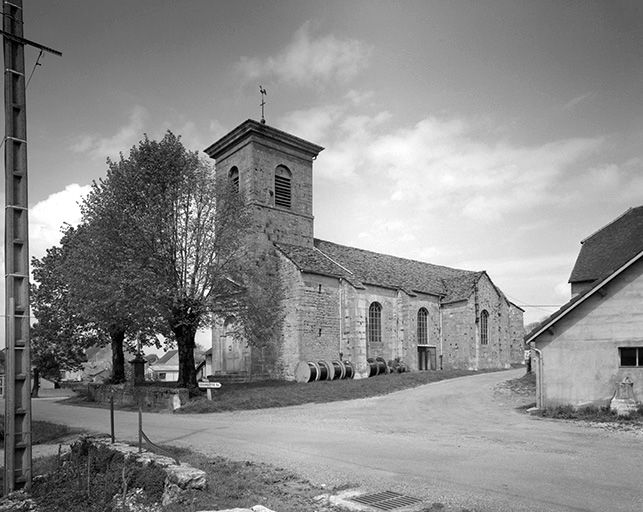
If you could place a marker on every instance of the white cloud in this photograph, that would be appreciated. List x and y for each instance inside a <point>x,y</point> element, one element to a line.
<point>310,61</point>
<point>47,217</point>
<point>100,148</point>
<point>578,99</point>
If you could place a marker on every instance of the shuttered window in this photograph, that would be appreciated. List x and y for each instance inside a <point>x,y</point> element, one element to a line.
<point>423,335</point>
<point>234,178</point>
<point>375,323</point>
<point>283,187</point>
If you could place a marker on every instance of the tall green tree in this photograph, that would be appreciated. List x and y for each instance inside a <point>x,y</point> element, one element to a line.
<point>60,335</point>
<point>103,289</point>
<point>161,211</point>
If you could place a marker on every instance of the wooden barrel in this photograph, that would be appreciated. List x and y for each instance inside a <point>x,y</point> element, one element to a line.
<point>326,370</point>
<point>349,370</point>
<point>339,370</point>
<point>307,371</point>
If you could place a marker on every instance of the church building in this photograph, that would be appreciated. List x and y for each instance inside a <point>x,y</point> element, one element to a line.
<point>344,303</point>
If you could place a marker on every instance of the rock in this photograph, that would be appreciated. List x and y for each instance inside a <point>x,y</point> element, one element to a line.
<point>186,477</point>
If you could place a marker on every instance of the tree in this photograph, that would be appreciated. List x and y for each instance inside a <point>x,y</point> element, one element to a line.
<point>103,289</point>
<point>179,233</point>
<point>60,335</point>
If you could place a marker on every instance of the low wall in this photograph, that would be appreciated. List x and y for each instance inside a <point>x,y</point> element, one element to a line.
<point>148,396</point>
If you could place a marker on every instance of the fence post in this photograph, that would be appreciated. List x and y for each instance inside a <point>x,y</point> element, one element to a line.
<point>140,428</point>
<point>111,416</point>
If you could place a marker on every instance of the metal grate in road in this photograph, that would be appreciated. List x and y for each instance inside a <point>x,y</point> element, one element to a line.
<point>387,500</point>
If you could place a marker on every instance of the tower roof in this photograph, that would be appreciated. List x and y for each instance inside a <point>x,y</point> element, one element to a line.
<point>252,129</point>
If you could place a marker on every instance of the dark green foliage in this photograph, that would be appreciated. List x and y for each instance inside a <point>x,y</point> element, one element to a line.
<point>174,235</point>
<point>61,334</point>
<point>597,414</point>
<point>69,488</point>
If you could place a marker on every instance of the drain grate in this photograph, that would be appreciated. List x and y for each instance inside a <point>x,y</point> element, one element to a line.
<point>387,500</point>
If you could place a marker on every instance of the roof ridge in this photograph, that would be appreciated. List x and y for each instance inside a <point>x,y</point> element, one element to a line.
<point>397,257</point>
<point>608,224</point>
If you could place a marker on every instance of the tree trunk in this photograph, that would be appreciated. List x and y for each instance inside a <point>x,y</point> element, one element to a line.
<point>185,335</point>
<point>117,336</point>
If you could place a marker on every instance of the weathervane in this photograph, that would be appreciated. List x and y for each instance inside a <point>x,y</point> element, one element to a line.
<point>263,102</point>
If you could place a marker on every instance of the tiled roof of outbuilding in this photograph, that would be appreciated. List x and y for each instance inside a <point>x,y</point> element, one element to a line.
<point>610,247</point>
<point>360,267</point>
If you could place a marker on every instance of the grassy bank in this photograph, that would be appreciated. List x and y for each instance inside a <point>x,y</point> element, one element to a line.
<point>261,395</point>
<point>43,432</point>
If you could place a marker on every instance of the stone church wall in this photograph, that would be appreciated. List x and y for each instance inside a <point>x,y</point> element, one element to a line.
<point>461,328</point>
<point>459,334</point>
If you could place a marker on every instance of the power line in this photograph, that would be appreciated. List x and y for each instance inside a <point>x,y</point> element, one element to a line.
<point>36,64</point>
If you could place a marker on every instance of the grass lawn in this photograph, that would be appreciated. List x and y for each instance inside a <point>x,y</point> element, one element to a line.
<point>261,395</point>
<point>43,432</point>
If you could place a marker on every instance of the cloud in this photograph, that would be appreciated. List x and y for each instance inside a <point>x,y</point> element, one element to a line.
<point>100,148</point>
<point>310,61</point>
<point>578,99</point>
<point>47,217</point>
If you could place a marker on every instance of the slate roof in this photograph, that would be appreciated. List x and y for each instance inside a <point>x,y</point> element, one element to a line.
<point>602,255</point>
<point>610,247</point>
<point>361,267</point>
<point>166,357</point>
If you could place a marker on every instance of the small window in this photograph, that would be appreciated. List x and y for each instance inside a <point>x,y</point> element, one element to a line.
<point>631,356</point>
<point>484,327</point>
<point>283,187</point>
<point>423,335</point>
<point>162,376</point>
<point>375,323</point>
<point>233,176</point>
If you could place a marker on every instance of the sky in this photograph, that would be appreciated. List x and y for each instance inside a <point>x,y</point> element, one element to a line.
<point>483,135</point>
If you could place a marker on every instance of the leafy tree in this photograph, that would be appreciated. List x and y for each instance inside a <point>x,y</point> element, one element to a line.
<point>61,334</point>
<point>161,211</point>
<point>103,289</point>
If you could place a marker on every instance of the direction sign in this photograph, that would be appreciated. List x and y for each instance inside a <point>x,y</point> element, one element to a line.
<point>209,385</point>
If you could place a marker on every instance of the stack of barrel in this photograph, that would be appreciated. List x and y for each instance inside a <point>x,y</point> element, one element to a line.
<point>324,370</point>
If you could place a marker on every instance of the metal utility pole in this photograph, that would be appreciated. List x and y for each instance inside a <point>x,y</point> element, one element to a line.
<point>17,436</point>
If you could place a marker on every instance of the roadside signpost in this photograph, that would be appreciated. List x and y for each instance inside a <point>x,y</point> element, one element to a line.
<point>209,386</point>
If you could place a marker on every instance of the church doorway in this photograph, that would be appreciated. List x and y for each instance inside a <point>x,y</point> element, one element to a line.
<point>426,358</point>
<point>235,350</point>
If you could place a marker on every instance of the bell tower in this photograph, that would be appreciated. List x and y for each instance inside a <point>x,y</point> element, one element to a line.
<point>274,172</point>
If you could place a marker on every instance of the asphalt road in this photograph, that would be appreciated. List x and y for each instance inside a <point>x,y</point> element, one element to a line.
<point>454,442</point>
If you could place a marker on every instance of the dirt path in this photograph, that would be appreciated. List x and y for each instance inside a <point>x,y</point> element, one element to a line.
<point>457,442</point>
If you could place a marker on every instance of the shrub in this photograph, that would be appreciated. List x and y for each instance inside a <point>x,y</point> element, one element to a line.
<point>89,477</point>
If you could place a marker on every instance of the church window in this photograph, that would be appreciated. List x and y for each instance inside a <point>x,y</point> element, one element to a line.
<point>233,176</point>
<point>375,323</point>
<point>283,187</point>
<point>423,335</point>
<point>484,327</point>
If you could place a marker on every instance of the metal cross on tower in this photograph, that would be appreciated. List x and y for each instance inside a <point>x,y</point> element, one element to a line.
<point>263,102</point>
<point>17,419</point>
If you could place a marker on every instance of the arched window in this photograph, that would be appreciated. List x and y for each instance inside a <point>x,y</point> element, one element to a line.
<point>233,176</point>
<point>283,187</point>
<point>484,327</point>
<point>423,332</point>
<point>375,323</point>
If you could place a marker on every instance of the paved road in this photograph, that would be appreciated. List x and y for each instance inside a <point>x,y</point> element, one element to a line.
<point>452,442</point>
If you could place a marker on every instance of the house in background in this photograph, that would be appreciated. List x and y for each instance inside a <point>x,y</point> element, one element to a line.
<point>165,368</point>
<point>591,344</point>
